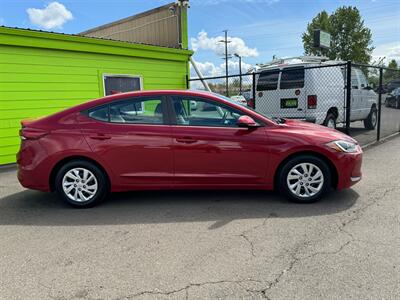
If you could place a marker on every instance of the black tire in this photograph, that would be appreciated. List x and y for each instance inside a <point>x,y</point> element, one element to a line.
<point>101,179</point>
<point>282,178</point>
<point>387,103</point>
<point>398,104</point>
<point>330,119</point>
<point>372,119</point>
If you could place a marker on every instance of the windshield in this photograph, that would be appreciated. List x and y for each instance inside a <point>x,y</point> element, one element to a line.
<point>276,120</point>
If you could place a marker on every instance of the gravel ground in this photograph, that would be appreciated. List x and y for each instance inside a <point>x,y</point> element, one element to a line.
<point>206,245</point>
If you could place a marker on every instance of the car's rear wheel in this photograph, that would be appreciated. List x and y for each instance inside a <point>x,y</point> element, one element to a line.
<point>81,184</point>
<point>304,179</point>
<point>330,121</point>
<point>372,119</point>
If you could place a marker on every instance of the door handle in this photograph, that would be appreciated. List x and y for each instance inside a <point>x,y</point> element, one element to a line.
<point>100,137</point>
<point>186,140</point>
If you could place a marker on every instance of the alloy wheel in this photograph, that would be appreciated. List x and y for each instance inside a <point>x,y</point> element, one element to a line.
<point>305,180</point>
<point>79,184</point>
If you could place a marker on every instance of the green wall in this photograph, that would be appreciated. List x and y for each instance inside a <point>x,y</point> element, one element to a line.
<point>41,73</point>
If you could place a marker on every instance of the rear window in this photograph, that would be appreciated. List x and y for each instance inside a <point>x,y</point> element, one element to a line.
<point>268,80</point>
<point>292,78</point>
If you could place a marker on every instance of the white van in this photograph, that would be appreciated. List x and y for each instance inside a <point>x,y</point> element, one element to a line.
<point>315,92</point>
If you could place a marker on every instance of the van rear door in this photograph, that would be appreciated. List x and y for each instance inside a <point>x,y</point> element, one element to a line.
<point>292,93</point>
<point>281,93</point>
<point>267,92</point>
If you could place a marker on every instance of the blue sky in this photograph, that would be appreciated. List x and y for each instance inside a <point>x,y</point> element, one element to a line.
<point>261,28</point>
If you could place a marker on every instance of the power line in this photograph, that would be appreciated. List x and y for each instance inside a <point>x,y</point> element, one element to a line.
<point>226,42</point>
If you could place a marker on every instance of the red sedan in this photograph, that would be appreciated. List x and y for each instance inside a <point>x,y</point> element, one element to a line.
<point>180,140</point>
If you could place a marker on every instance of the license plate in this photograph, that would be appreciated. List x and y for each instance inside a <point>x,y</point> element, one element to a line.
<point>289,103</point>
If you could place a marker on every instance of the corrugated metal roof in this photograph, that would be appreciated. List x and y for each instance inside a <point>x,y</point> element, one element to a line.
<point>142,14</point>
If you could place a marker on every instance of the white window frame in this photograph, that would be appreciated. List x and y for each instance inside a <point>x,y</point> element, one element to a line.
<point>104,75</point>
<point>121,75</point>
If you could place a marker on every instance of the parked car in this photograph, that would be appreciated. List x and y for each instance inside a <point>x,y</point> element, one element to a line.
<point>248,95</point>
<point>149,140</point>
<point>393,99</point>
<point>239,99</point>
<point>292,90</point>
<point>394,84</point>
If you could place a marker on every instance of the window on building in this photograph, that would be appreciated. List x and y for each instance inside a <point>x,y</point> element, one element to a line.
<point>114,84</point>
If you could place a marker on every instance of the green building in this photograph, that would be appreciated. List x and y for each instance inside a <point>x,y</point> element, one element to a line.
<point>44,72</point>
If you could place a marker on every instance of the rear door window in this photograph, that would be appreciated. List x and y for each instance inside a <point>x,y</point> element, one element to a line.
<point>292,78</point>
<point>137,111</point>
<point>268,80</point>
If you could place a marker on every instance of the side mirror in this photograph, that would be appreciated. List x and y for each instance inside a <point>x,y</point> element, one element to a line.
<point>247,121</point>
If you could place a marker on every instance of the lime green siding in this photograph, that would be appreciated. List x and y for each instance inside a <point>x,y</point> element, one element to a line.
<point>41,73</point>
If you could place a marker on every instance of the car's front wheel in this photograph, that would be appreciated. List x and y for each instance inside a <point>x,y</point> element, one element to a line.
<point>81,184</point>
<point>372,119</point>
<point>330,121</point>
<point>304,179</point>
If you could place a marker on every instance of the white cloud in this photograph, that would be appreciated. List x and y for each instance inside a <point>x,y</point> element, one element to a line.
<point>2,21</point>
<point>209,69</point>
<point>54,15</point>
<point>388,51</point>
<point>236,45</point>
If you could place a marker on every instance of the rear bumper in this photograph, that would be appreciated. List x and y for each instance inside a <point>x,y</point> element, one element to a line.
<point>32,161</point>
<point>30,180</point>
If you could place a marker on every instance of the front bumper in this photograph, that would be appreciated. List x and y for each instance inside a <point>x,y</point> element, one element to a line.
<point>349,170</point>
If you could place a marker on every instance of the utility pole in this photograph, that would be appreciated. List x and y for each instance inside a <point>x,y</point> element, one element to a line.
<point>226,61</point>
<point>240,72</point>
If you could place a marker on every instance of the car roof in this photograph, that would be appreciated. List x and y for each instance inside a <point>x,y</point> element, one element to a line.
<point>120,96</point>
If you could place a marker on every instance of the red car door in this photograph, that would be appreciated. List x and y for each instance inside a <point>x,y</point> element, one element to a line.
<point>132,137</point>
<point>209,148</point>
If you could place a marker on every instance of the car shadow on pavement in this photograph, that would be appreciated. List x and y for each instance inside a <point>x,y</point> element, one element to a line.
<point>45,209</point>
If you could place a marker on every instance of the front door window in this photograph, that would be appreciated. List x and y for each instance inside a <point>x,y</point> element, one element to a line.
<point>201,112</point>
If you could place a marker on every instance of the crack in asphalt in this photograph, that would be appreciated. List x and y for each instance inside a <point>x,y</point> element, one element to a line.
<point>248,240</point>
<point>187,287</point>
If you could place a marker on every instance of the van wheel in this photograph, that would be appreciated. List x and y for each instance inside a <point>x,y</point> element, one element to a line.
<point>81,184</point>
<point>304,179</point>
<point>372,119</point>
<point>330,121</point>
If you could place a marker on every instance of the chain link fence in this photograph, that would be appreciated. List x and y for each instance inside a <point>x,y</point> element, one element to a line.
<point>360,100</point>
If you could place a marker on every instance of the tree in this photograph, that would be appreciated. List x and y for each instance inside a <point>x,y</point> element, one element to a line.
<point>320,21</point>
<point>350,38</point>
<point>394,73</point>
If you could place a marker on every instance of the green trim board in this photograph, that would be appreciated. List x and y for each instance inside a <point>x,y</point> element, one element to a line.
<point>51,40</point>
<point>41,73</point>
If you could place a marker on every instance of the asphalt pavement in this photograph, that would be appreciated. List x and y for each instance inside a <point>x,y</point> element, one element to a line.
<point>206,245</point>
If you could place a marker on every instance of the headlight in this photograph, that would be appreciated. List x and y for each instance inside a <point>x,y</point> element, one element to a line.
<point>343,146</point>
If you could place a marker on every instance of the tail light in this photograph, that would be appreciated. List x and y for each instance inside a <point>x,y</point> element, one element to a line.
<point>250,103</point>
<point>27,133</point>
<point>312,101</point>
